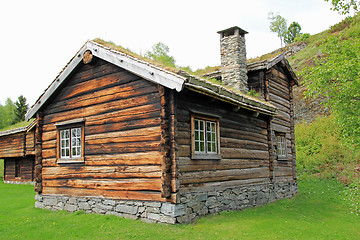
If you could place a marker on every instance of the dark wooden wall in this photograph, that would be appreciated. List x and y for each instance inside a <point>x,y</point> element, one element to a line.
<point>122,135</point>
<point>12,145</point>
<point>243,145</point>
<point>26,169</point>
<point>280,95</point>
<point>30,142</point>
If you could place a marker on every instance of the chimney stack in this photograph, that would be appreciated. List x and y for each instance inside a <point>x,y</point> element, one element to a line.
<point>233,58</point>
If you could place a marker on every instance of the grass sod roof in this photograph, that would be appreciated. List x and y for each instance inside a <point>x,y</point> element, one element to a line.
<point>209,86</point>
<point>17,127</point>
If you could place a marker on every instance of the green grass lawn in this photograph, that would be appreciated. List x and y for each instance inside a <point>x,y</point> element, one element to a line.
<point>317,212</point>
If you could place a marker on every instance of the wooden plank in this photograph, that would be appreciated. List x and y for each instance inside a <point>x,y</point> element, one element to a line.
<point>137,184</point>
<point>126,195</point>
<point>223,175</point>
<point>99,172</point>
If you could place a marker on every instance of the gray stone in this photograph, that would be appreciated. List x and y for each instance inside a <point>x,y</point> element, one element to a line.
<point>109,202</point>
<point>72,200</point>
<point>141,209</point>
<point>125,215</point>
<point>70,207</point>
<point>127,209</point>
<point>38,197</point>
<point>49,201</point>
<point>202,197</point>
<point>39,204</point>
<point>167,219</point>
<point>210,201</point>
<point>98,210</point>
<point>152,204</point>
<point>196,208</point>
<point>154,216</point>
<point>84,206</point>
<point>167,208</point>
<point>152,210</point>
<point>179,209</point>
<point>104,207</point>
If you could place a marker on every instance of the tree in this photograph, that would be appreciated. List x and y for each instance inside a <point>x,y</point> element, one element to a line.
<point>160,52</point>
<point>278,25</point>
<point>337,77</point>
<point>20,110</point>
<point>292,32</point>
<point>8,112</point>
<point>344,7</point>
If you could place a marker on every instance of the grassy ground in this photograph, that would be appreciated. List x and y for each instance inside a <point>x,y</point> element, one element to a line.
<point>317,212</point>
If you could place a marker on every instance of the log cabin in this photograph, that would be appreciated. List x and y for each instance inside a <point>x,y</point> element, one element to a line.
<point>17,148</point>
<point>117,134</point>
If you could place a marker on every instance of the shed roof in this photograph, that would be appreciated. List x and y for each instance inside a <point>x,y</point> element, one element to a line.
<point>157,74</point>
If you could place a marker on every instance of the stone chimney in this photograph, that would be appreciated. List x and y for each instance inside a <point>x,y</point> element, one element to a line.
<point>233,58</point>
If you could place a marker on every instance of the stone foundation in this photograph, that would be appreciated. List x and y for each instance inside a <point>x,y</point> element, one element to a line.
<point>19,182</point>
<point>191,206</point>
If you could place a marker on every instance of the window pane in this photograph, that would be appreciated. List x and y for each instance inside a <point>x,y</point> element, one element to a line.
<point>197,146</point>
<point>202,146</point>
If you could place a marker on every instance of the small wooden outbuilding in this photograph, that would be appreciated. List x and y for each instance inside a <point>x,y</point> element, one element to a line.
<point>17,148</point>
<point>119,135</point>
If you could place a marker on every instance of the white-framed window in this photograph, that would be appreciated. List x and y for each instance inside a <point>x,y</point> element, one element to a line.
<point>70,141</point>
<point>281,146</point>
<point>205,137</point>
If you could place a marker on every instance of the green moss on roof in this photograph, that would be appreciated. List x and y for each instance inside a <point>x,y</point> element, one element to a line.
<point>127,51</point>
<point>17,125</point>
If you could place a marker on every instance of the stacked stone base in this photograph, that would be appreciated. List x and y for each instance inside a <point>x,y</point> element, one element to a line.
<point>19,182</point>
<point>191,206</point>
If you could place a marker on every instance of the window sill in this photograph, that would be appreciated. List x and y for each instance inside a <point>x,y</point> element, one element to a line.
<point>206,157</point>
<point>282,158</point>
<point>71,160</point>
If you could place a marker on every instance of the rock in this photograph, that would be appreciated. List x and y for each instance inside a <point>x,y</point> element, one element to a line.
<point>127,209</point>
<point>70,207</point>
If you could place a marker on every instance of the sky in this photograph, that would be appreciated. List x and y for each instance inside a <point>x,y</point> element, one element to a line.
<point>38,38</point>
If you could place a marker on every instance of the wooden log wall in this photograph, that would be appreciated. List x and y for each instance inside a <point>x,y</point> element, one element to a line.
<point>12,145</point>
<point>280,95</point>
<point>123,153</point>
<point>26,172</point>
<point>243,145</point>
<point>30,142</point>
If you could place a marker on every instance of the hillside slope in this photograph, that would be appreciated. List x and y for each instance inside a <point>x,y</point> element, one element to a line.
<point>306,109</point>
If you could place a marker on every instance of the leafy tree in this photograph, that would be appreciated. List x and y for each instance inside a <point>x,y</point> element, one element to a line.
<point>337,77</point>
<point>278,25</point>
<point>344,7</point>
<point>7,113</point>
<point>292,32</point>
<point>160,52</point>
<point>20,110</point>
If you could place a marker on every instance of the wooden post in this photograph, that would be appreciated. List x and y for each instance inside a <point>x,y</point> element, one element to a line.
<point>165,145</point>
<point>38,153</point>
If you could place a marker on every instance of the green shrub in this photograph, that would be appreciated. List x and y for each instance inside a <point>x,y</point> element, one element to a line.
<point>322,151</point>
<point>302,37</point>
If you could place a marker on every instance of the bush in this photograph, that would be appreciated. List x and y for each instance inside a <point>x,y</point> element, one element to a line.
<point>321,151</point>
<point>302,37</point>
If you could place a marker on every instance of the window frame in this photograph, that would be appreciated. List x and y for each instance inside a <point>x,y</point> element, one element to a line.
<point>198,155</point>
<point>70,126</point>
<point>281,146</point>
